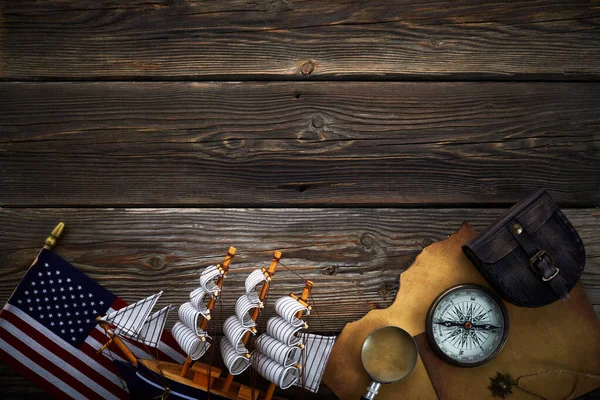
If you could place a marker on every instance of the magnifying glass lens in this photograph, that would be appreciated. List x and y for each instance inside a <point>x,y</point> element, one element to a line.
<point>388,355</point>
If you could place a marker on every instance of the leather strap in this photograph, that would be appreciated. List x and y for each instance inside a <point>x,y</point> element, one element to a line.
<point>540,260</point>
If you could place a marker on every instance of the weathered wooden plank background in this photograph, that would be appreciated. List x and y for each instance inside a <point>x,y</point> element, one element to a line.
<point>346,134</point>
<point>353,255</point>
<point>235,39</point>
<point>334,143</point>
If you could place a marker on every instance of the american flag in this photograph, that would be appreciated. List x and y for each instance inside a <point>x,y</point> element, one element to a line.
<point>49,334</point>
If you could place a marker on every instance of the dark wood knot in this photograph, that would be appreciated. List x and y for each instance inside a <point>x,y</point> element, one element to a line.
<point>307,68</point>
<point>331,270</point>
<point>236,148</point>
<point>368,241</point>
<point>156,263</point>
<point>318,122</point>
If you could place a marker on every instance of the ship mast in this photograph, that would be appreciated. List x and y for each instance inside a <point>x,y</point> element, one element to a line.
<point>116,340</point>
<point>256,311</point>
<point>211,303</point>
<point>304,301</point>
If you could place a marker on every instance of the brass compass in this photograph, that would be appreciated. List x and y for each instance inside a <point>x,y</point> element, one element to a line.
<point>467,325</point>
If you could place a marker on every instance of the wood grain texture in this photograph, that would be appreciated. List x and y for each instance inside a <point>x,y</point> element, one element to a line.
<point>289,39</point>
<point>310,144</point>
<point>354,256</point>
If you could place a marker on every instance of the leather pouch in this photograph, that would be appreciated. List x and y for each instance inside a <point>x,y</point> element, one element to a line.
<point>532,256</point>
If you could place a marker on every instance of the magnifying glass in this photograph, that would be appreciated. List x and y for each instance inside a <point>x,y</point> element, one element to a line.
<point>388,354</point>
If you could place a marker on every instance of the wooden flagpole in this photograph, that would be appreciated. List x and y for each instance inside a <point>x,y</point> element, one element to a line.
<point>256,311</point>
<point>304,301</point>
<point>211,303</point>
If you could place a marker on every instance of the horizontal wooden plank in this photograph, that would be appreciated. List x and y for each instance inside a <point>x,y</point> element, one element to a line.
<point>286,39</point>
<point>277,144</point>
<point>354,256</point>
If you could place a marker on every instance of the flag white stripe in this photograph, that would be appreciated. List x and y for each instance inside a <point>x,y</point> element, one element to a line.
<point>64,345</point>
<point>34,367</point>
<point>139,353</point>
<point>54,359</point>
<point>168,350</point>
<point>108,354</point>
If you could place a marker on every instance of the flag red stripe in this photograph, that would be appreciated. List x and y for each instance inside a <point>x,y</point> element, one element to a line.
<point>67,357</point>
<point>32,376</point>
<point>119,303</point>
<point>48,365</point>
<point>49,345</point>
<point>170,341</point>
<point>102,338</point>
<point>101,359</point>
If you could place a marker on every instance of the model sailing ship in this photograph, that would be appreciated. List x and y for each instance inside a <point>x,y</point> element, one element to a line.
<point>283,355</point>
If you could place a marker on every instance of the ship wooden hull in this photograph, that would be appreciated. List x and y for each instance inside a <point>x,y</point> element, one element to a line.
<point>153,380</point>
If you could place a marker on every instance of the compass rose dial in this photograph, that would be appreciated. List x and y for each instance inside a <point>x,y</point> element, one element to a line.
<point>467,325</point>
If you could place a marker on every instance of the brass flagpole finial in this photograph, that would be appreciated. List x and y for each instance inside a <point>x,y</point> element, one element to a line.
<point>50,241</point>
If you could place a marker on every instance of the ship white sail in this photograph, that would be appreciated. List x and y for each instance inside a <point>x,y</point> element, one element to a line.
<point>233,350</point>
<point>256,277</point>
<point>129,320</point>
<point>152,329</point>
<point>287,308</point>
<point>189,315</point>
<point>208,279</point>
<point>234,331</point>
<point>271,370</point>
<point>198,298</point>
<point>236,362</point>
<point>314,358</point>
<point>287,357</point>
<point>278,352</point>
<point>189,341</point>
<point>243,305</point>
<point>186,330</point>
<point>280,329</point>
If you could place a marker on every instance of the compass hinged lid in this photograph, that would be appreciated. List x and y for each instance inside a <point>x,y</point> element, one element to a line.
<point>532,255</point>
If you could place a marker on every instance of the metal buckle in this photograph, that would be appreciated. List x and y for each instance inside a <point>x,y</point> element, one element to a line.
<point>538,257</point>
